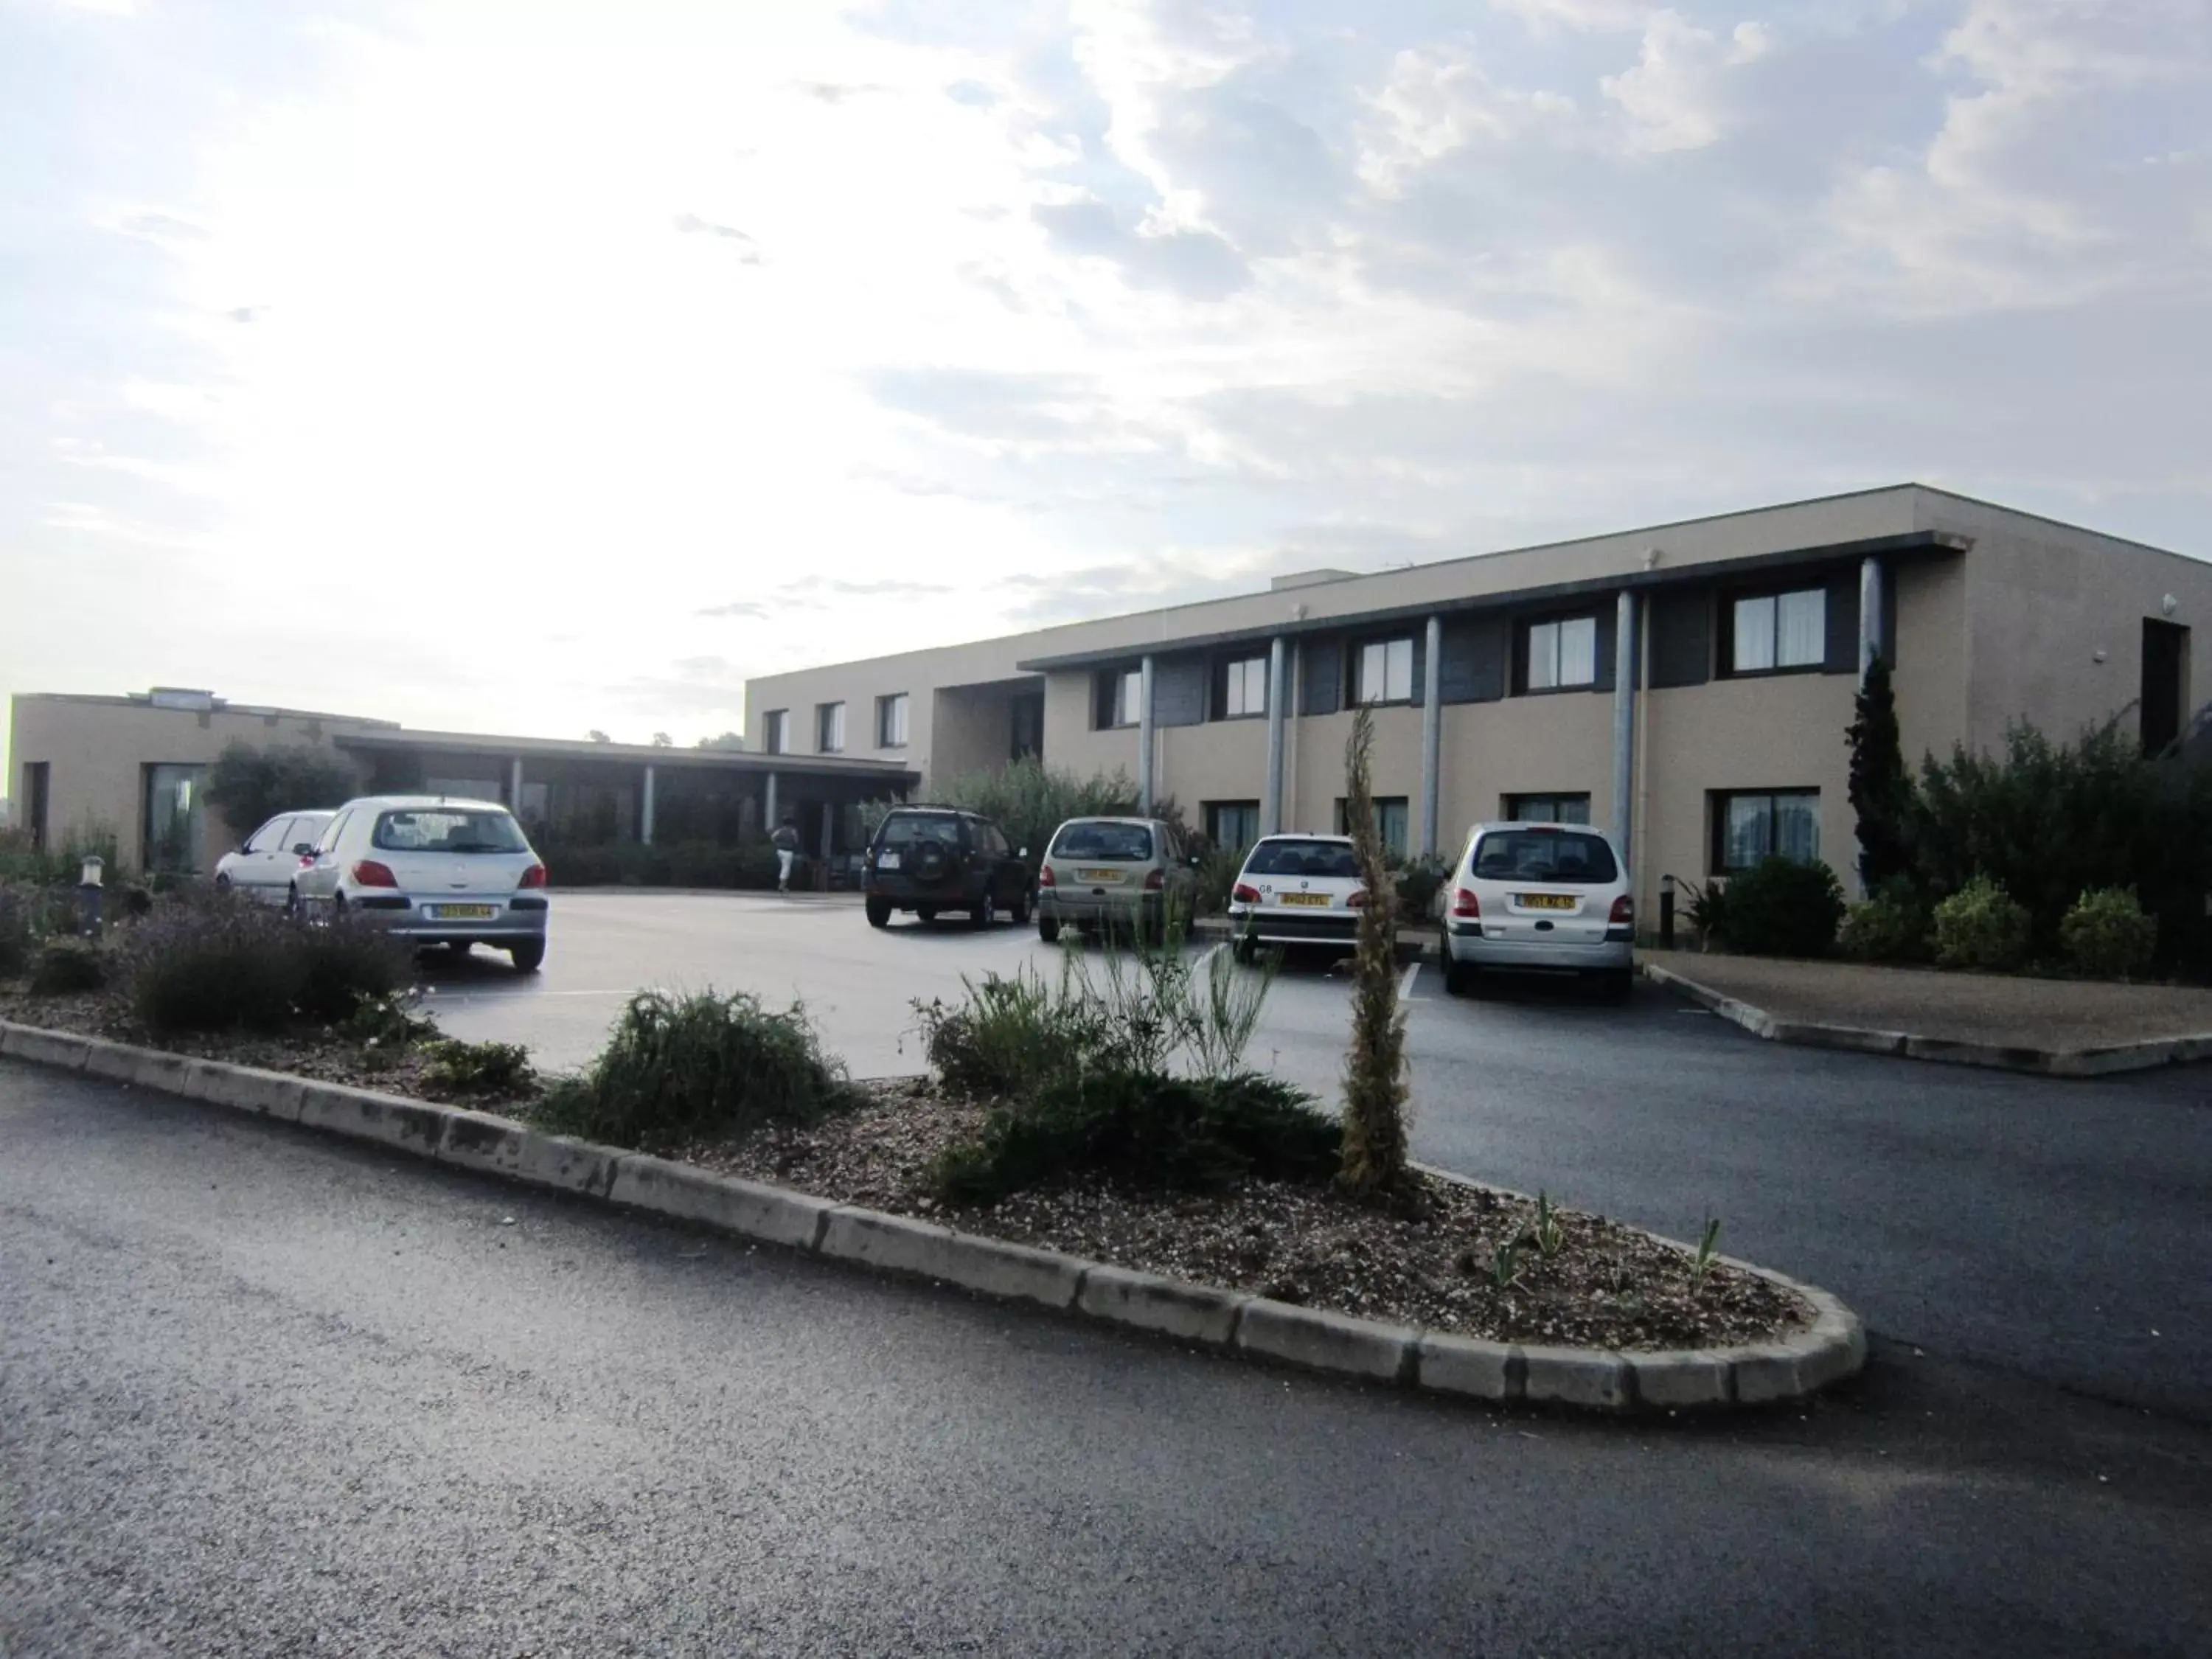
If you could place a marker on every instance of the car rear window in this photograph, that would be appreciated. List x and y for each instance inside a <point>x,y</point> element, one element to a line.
<point>1564,856</point>
<point>1108,843</point>
<point>906,829</point>
<point>447,829</point>
<point>1333,859</point>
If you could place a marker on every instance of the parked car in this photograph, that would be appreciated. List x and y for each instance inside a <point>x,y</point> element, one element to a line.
<point>436,870</point>
<point>1118,875</point>
<point>1547,897</point>
<point>263,865</point>
<point>928,859</point>
<point>1296,889</point>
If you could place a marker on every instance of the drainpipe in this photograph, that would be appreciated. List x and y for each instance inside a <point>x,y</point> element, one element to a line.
<point>514,785</point>
<point>1624,725</point>
<point>769,819</point>
<point>1432,735</point>
<point>1871,643</point>
<point>1144,737</point>
<point>1270,807</point>
<point>645,816</point>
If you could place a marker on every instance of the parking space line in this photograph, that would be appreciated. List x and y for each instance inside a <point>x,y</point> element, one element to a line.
<point>1406,982</point>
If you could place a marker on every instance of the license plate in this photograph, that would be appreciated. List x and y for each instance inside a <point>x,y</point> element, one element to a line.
<point>887,860</point>
<point>1100,878</point>
<point>1545,901</point>
<point>464,911</point>
<point>1318,901</point>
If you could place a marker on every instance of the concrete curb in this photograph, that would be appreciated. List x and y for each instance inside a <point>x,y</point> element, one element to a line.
<point>1832,1347</point>
<point>2040,1062</point>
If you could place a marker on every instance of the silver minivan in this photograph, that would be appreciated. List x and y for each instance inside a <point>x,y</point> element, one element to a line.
<point>1114,875</point>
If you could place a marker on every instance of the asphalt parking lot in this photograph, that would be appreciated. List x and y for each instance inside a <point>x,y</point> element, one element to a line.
<point>2051,1229</point>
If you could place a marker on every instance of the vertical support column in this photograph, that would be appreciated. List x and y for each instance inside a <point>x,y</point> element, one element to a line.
<point>1624,725</point>
<point>1871,643</point>
<point>514,785</point>
<point>1271,805</point>
<point>769,819</point>
<point>645,812</point>
<point>1433,736</point>
<point>1145,736</point>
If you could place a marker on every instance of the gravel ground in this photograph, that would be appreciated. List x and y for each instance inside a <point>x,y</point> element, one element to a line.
<point>1428,1263</point>
<point>2010,1012</point>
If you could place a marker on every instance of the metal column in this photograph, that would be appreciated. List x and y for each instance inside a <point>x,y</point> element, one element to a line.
<point>645,814</point>
<point>514,785</point>
<point>1871,643</point>
<point>1270,807</point>
<point>769,819</point>
<point>1144,737</point>
<point>1624,725</point>
<point>1432,734</point>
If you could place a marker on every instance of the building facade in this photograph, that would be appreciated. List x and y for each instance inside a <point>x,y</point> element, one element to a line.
<point>1687,686</point>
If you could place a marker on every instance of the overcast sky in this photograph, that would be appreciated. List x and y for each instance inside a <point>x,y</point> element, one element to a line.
<point>543,367</point>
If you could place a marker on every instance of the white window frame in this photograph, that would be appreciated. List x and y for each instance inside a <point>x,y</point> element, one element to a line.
<point>893,712</point>
<point>1385,672</point>
<point>1553,647</point>
<point>1129,698</point>
<point>1245,689</point>
<point>1779,632</point>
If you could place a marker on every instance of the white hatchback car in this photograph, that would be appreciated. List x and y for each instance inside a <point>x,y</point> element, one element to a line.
<point>434,870</point>
<point>1296,889</point>
<point>1539,897</point>
<point>263,865</point>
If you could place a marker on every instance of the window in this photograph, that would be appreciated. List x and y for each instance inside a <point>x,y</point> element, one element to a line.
<point>1107,843</point>
<point>173,818</point>
<point>829,728</point>
<point>1772,631</point>
<point>331,831</point>
<point>1562,653</point>
<point>1232,824</point>
<point>1121,698</point>
<point>1242,691</point>
<point>1294,855</point>
<point>37,783</point>
<point>1028,725</point>
<point>1546,855</point>
<point>903,830</point>
<point>775,731</point>
<point>1390,821</point>
<point>1385,672</point>
<point>890,721</point>
<point>1748,826</point>
<point>271,837</point>
<point>1547,809</point>
<point>2164,705</point>
<point>448,830</point>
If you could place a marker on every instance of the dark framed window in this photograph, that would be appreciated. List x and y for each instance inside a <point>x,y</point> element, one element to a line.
<point>890,720</point>
<point>1547,809</point>
<point>829,728</point>
<point>1382,671</point>
<point>38,785</point>
<point>176,819</point>
<point>1391,821</point>
<point>775,731</point>
<point>1559,653</point>
<point>1775,632</point>
<point>1752,824</point>
<point>1121,694</point>
<point>1240,689</point>
<point>1231,823</point>
<point>1028,725</point>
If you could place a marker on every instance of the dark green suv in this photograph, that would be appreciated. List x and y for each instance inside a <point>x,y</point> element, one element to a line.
<point>928,859</point>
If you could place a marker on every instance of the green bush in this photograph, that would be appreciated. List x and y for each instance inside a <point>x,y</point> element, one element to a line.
<point>481,1068</point>
<point>58,865</point>
<point>249,785</point>
<point>217,962</point>
<point>66,966</point>
<point>750,863</point>
<point>1029,800</point>
<point>1981,926</point>
<point>2106,933</point>
<point>14,932</point>
<point>1781,908</point>
<point>1144,1131</point>
<point>702,1066</point>
<point>1419,881</point>
<point>1891,927</point>
<point>1217,875</point>
<point>1013,1034</point>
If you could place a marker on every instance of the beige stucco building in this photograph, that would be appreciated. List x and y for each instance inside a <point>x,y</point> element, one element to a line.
<point>1687,686</point>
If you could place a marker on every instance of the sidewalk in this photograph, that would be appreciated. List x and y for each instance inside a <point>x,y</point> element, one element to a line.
<point>2063,1027</point>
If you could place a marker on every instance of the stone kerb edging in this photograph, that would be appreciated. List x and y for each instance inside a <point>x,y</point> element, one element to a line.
<point>1832,1348</point>
<point>1856,1039</point>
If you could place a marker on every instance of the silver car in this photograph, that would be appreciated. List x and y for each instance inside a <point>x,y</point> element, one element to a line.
<point>1114,875</point>
<point>1548,898</point>
<point>435,870</point>
<point>265,865</point>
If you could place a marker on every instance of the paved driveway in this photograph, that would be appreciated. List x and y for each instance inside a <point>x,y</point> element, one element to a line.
<point>2058,1230</point>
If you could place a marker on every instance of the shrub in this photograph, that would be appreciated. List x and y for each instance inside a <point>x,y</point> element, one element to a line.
<point>1217,876</point>
<point>1891,927</point>
<point>1029,800</point>
<point>481,1068</point>
<point>1013,1034</point>
<point>1419,881</point>
<point>1144,1131</point>
<point>66,966</point>
<point>1782,908</point>
<point>14,932</point>
<point>251,785</point>
<point>2106,933</point>
<point>682,864</point>
<point>679,1069</point>
<point>387,1022</point>
<point>1981,926</point>
<point>213,962</point>
<point>1375,1086</point>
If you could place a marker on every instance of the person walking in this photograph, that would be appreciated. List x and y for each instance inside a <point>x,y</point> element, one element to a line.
<point>785,842</point>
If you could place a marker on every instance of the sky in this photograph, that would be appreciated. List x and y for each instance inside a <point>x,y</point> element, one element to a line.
<point>543,367</point>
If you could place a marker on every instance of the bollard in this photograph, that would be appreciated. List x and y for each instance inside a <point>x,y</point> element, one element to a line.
<point>88,890</point>
<point>1666,913</point>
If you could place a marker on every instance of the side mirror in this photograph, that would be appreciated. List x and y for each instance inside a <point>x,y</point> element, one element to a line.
<point>1023,853</point>
<point>303,847</point>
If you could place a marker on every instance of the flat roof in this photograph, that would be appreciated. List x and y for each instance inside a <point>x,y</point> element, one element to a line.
<point>217,706</point>
<point>740,760</point>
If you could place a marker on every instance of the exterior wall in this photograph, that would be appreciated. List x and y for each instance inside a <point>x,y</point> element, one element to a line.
<point>98,750</point>
<point>1929,656</point>
<point>972,727</point>
<point>920,674</point>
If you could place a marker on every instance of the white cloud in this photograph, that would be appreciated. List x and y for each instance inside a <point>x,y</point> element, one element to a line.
<point>1437,101</point>
<point>1677,96</point>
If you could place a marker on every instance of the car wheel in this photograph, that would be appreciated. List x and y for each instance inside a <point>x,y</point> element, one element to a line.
<point>879,913</point>
<point>528,956</point>
<point>1245,952</point>
<point>291,901</point>
<point>1617,984</point>
<point>1048,929</point>
<point>1021,912</point>
<point>1459,977</point>
<point>222,884</point>
<point>984,912</point>
<point>925,913</point>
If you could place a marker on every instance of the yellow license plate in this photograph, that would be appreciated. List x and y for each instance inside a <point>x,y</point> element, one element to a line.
<point>1545,901</point>
<point>1319,901</point>
<point>464,911</point>
<point>1099,876</point>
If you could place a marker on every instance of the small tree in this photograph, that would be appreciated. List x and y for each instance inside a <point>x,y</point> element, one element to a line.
<point>1881,788</point>
<point>251,785</point>
<point>1375,1071</point>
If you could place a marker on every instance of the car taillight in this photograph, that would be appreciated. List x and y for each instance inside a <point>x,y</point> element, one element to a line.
<point>1464,904</point>
<point>307,861</point>
<point>1155,879</point>
<point>533,876</point>
<point>1240,894</point>
<point>1356,901</point>
<point>1623,912</point>
<point>1045,878</point>
<point>369,873</point>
